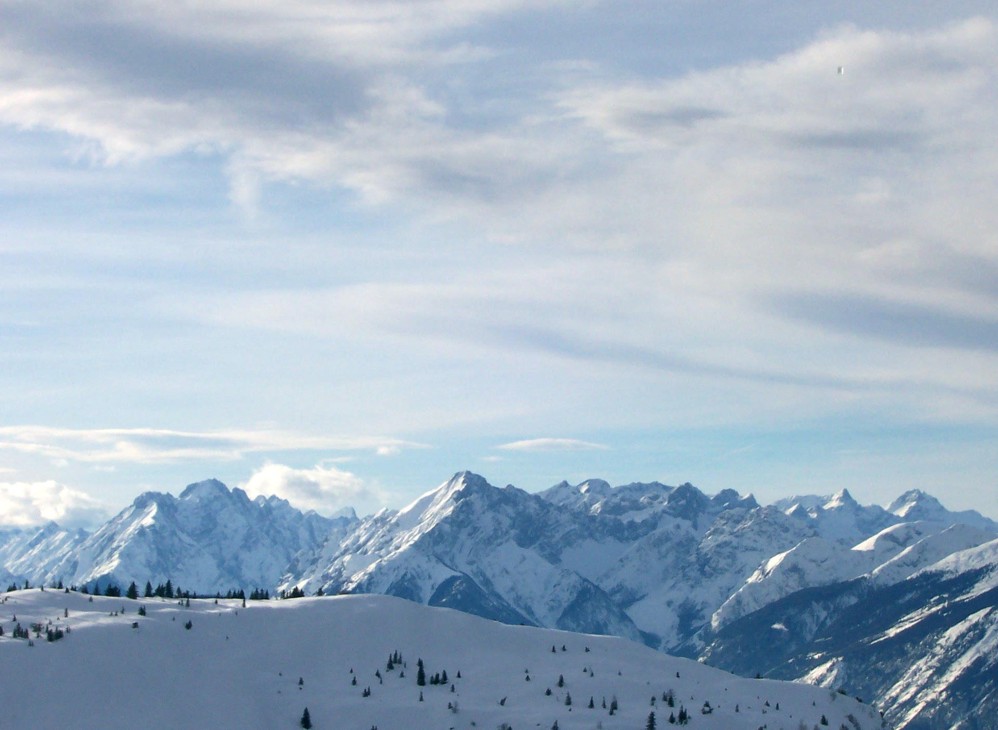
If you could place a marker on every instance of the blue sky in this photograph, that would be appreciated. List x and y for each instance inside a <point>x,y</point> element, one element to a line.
<point>339,251</point>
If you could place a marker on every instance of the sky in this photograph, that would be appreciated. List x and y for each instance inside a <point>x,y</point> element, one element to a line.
<point>338,251</point>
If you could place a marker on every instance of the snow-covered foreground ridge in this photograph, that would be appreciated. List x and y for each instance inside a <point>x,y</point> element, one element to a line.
<point>261,665</point>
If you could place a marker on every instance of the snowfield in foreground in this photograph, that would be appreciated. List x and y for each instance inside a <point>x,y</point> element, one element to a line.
<point>261,665</point>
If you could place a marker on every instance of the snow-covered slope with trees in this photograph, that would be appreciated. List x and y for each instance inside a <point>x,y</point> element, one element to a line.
<point>352,662</point>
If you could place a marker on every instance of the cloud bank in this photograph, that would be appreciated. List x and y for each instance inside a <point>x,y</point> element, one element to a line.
<point>25,504</point>
<point>325,489</point>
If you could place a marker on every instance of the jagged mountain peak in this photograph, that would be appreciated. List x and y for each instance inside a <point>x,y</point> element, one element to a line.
<point>585,495</point>
<point>918,505</point>
<point>840,499</point>
<point>206,489</point>
<point>146,499</point>
<point>687,501</point>
<point>729,498</point>
<point>439,501</point>
<point>596,486</point>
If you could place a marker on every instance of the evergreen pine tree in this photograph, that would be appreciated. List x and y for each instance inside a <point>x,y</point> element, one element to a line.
<point>133,591</point>
<point>420,674</point>
<point>306,720</point>
<point>650,725</point>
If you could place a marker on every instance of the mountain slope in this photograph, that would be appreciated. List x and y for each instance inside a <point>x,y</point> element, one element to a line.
<point>262,665</point>
<point>924,647</point>
<point>492,552</point>
<point>32,554</point>
<point>887,557</point>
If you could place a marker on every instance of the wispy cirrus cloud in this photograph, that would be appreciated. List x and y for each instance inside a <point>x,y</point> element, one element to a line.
<point>160,446</point>
<point>552,444</point>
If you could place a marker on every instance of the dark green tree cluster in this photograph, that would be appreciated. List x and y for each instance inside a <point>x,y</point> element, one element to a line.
<point>682,719</point>
<point>394,660</point>
<point>163,590</point>
<point>295,592</point>
<point>111,591</point>
<point>259,594</point>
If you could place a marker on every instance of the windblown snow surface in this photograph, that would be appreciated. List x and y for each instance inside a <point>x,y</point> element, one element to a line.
<point>261,665</point>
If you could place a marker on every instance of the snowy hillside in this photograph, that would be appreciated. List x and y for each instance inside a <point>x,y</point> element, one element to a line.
<point>260,666</point>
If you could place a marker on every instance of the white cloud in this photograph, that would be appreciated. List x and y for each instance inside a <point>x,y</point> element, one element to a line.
<point>159,446</point>
<point>552,444</point>
<point>324,489</point>
<point>24,504</point>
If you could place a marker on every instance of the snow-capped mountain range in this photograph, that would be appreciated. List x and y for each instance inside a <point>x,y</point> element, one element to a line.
<point>208,539</point>
<point>672,567</point>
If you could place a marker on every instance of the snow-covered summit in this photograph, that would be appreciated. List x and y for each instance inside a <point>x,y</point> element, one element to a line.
<point>918,505</point>
<point>205,490</point>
